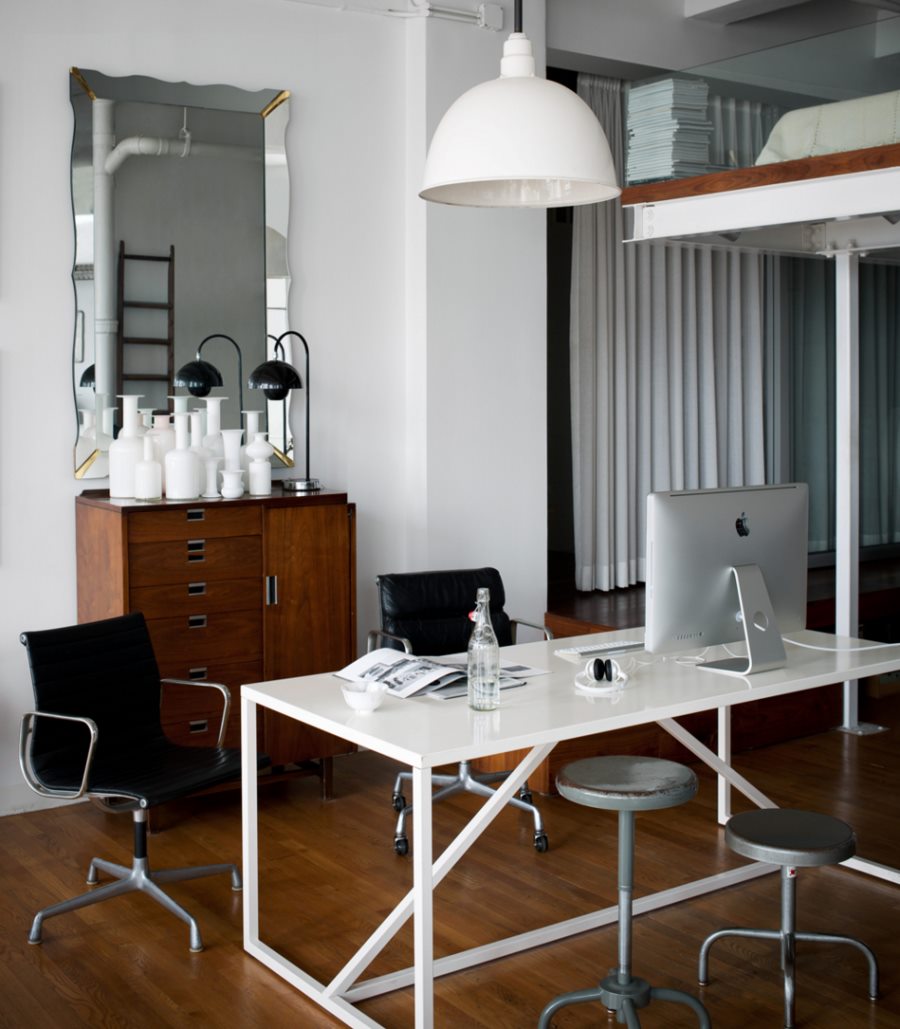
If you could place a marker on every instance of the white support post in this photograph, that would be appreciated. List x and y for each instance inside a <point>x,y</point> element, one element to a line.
<point>423,893</point>
<point>723,787</point>
<point>847,520</point>
<point>250,826</point>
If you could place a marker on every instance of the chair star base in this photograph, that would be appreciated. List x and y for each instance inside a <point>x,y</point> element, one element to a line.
<point>137,878</point>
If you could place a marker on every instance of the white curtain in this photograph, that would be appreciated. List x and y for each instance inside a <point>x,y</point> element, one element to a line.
<point>667,371</point>
<point>740,129</point>
<point>809,285</point>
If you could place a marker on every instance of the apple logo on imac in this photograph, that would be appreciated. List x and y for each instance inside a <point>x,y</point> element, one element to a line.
<point>742,524</point>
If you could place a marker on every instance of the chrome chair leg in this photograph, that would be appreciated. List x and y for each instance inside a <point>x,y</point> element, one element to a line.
<point>138,878</point>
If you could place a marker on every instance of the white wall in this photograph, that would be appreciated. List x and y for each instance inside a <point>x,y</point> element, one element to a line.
<point>426,328</point>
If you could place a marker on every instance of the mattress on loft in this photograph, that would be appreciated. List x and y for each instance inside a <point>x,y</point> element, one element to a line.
<point>830,128</point>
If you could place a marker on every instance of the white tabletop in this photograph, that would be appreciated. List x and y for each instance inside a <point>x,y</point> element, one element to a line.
<point>423,732</point>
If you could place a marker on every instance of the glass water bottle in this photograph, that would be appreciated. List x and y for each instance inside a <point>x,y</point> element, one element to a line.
<point>484,658</point>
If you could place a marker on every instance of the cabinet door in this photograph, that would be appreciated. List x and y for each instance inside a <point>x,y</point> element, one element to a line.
<point>308,623</point>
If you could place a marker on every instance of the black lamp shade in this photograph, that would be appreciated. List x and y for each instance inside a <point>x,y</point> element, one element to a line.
<point>276,378</point>
<point>88,378</point>
<point>198,377</point>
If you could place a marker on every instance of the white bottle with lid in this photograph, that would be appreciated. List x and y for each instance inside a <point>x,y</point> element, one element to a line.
<point>125,450</point>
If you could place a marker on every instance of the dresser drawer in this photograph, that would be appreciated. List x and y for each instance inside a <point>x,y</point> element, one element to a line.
<point>199,639</point>
<point>181,523</point>
<point>196,597</point>
<point>197,559</point>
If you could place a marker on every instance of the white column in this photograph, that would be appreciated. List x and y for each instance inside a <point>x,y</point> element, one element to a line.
<point>105,324</point>
<point>846,603</point>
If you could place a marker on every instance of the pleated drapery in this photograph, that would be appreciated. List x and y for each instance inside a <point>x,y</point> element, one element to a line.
<point>667,372</point>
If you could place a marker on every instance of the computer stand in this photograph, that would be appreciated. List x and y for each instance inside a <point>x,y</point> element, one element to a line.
<point>765,649</point>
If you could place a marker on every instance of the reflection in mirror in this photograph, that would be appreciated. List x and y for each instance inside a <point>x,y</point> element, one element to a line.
<point>180,198</point>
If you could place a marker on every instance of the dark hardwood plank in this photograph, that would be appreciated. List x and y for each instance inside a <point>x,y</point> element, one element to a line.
<point>822,166</point>
<point>329,874</point>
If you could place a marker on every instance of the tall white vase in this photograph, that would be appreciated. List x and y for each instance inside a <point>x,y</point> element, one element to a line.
<point>213,438</point>
<point>251,428</point>
<point>231,440</point>
<point>260,476</point>
<point>125,451</point>
<point>182,465</point>
<point>148,474</point>
<point>163,436</point>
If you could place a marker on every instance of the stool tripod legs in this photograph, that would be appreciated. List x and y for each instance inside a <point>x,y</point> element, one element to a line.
<point>620,991</point>
<point>787,938</point>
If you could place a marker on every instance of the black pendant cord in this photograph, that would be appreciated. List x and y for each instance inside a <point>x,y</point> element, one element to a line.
<point>517,16</point>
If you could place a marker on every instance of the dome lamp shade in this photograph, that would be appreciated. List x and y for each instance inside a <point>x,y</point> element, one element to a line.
<point>519,141</point>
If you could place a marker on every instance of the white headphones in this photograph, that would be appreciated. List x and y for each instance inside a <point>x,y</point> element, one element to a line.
<point>601,676</point>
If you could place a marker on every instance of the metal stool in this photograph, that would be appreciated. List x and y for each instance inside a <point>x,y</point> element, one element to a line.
<point>792,839</point>
<point>626,785</point>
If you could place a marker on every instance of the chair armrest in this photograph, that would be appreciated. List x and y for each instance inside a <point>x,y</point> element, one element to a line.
<point>226,698</point>
<point>26,764</point>
<point>516,622</point>
<point>379,634</point>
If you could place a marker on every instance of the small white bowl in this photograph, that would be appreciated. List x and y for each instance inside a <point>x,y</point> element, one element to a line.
<point>363,696</point>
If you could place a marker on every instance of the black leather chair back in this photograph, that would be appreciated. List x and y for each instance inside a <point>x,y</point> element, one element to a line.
<point>102,670</point>
<point>431,609</point>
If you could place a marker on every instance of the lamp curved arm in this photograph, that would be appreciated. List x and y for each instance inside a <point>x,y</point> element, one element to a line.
<point>221,335</point>
<point>293,332</point>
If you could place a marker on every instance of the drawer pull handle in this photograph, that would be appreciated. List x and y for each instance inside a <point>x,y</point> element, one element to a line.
<point>271,589</point>
<point>196,514</point>
<point>196,621</point>
<point>196,589</point>
<point>197,673</point>
<point>196,550</point>
<point>198,726</point>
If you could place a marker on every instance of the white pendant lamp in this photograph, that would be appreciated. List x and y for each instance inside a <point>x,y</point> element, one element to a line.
<point>519,141</point>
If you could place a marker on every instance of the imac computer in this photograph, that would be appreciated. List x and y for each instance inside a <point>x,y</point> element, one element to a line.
<point>727,565</point>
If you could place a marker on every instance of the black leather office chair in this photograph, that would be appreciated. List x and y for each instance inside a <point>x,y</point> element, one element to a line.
<point>96,732</point>
<point>427,613</point>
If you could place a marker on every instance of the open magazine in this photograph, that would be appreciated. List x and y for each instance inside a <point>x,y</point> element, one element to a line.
<point>405,674</point>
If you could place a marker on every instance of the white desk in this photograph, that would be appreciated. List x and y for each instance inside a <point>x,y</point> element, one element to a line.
<point>423,733</point>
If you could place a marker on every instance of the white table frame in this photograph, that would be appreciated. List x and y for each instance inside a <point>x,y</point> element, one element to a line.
<point>807,669</point>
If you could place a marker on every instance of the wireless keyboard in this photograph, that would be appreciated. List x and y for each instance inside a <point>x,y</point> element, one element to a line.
<point>606,647</point>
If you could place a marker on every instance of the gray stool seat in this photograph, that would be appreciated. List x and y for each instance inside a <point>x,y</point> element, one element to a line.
<point>791,839</point>
<point>619,783</point>
<point>626,785</point>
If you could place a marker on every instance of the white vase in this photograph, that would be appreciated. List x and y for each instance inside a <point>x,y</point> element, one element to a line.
<point>213,438</point>
<point>125,451</point>
<point>146,419</point>
<point>260,477</point>
<point>148,474</point>
<point>182,465</point>
<point>232,484</point>
<point>86,443</point>
<point>163,436</point>
<point>231,444</point>
<point>212,477</point>
<point>251,428</point>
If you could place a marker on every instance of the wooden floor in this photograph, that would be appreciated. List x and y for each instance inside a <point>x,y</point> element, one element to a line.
<point>331,874</point>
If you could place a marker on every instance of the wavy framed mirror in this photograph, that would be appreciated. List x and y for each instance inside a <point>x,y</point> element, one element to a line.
<point>180,199</point>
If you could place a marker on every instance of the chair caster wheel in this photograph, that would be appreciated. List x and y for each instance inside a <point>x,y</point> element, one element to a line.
<point>541,843</point>
<point>525,796</point>
<point>401,846</point>
<point>398,802</point>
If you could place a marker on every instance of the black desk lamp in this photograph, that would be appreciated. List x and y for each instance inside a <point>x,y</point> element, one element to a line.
<point>276,377</point>
<point>198,377</point>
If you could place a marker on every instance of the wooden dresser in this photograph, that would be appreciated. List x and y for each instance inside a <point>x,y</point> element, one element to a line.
<point>233,591</point>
